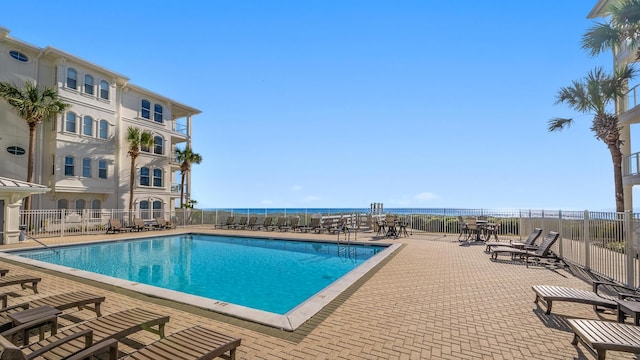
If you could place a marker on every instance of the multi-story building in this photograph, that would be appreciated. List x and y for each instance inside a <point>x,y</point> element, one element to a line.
<point>82,156</point>
<point>627,109</point>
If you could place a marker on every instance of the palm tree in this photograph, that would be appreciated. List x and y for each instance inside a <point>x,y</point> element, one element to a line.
<point>34,105</point>
<point>622,27</point>
<point>137,140</point>
<point>186,157</point>
<point>593,94</point>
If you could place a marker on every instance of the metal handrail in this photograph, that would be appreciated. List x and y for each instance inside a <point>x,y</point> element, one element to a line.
<point>41,243</point>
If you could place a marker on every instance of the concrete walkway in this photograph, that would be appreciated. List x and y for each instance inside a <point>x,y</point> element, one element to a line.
<point>433,299</point>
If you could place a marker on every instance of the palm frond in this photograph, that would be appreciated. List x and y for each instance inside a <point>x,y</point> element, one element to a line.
<point>557,124</point>
<point>600,38</point>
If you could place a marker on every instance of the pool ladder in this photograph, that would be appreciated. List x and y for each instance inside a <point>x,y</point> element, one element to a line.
<point>344,247</point>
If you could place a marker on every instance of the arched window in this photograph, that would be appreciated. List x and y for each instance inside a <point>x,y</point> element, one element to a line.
<point>157,144</point>
<point>96,206</point>
<point>145,109</point>
<point>69,167</point>
<point>144,209</point>
<point>88,84</point>
<point>157,177</point>
<point>157,209</point>
<point>157,113</point>
<point>86,167</point>
<point>87,126</point>
<point>102,169</point>
<point>70,123</point>
<point>80,204</point>
<point>104,90</point>
<point>63,204</point>
<point>144,176</point>
<point>72,78</point>
<point>104,129</point>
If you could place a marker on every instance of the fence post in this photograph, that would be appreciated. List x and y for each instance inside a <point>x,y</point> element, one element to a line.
<point>628,248</point>
<point>587,241</point>
<point>560,242</point>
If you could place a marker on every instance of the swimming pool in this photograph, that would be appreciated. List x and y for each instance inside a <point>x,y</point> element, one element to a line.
<point>265,280</point>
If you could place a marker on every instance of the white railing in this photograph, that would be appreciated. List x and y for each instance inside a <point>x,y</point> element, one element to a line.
<point>605,243</point>
<point>631,165</point>
<point>632,98</point>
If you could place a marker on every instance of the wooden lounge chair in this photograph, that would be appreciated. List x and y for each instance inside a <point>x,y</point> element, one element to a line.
<point>9,351</point>
<point>242,223</point>
<point>280,223</point>
<point>313,225</point>
<point>139,225</point>
<point>195,343</point>
<point>291,225</point>
<point>21,280</point>
<point>526,244</point>
<point>229,222</point>
<point>114,326</point>
<point>79,299</point>
<point>543,251</point>
<point>599,336</point>
<point>253,223</point>
<point>116,225</point>
<point>164,224</point>
<point>267,223</point>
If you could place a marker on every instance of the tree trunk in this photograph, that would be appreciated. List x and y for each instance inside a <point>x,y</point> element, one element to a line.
<point>26,204</point>
<point>616,157</point>
<point>182,189</point>
<point>132,179</point>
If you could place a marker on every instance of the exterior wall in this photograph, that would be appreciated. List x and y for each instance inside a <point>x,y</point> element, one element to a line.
<point>55,140</point>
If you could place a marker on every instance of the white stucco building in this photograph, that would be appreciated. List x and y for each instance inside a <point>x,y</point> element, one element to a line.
<point>82,155</point>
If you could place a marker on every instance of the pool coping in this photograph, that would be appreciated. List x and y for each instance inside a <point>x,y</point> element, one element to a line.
<point>288,322</point>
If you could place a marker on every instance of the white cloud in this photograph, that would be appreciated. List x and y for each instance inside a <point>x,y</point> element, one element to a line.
<point>296,188</point>
<point>266,202</point>
<point>425,196</point>
<point>310,198</point>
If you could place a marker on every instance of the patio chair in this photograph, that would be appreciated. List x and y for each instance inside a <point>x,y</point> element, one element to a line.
<point>390,223</point>
<point>114,326</point>
<point>242,223</point>
<point>197,342</point>
<point>542,252</point>
<point>229,222</point>
<point>598,336</point>
<point>327,224</point>
<point>291,225</point>
<point>267,223</point>
<point>547,294</point>
<point>279,224</point>
<point>139,225</point>
<point>115,225</point>
<point>527,244</point>
<point>79,299</point>
<point>164,224</point>
<point>253,223</point>
<point>21,280</point>
<point>313,225</point>
<point>472,228</point>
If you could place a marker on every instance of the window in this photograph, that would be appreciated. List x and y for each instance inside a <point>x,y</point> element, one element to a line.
<point>144,176</point>
<point>102,169</point>
<point>144,209</point>
<point>68,166</point>
<point>63,204</point>
<point>80,204</point>
<point>157,177</point>
<point>104,129</point>
<point>86,167</point>
<point>88,84</point>
<point>87,126</point>
<point>157,209</point>
<point>18,55</point>
<point>157,145</point>
<point>16,150</point>
<point>96,206</point>
<point>72,79</point>
<point>145,148</point>
<point>104,90</point>
<point>157,113</point>
<point>70,123</point>
<point>146,109</point>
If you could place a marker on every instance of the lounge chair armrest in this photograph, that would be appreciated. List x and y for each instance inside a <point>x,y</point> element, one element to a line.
<point>88,340</point>
<point>22,329</point>
<point>623,296</point>
<point>111,345</point>
<point>4,298</point>
<point>23,306</point>
<point>597,283</point>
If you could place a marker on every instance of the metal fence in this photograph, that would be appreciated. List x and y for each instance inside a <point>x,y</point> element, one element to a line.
<point>605,243</point>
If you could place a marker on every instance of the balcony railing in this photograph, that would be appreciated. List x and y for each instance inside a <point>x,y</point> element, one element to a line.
<point>632,98</point>
<point>631,165</point>
<point>180,128</point>
<point>175,188</point>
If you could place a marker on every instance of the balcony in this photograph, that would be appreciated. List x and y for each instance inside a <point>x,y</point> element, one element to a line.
<point>175,189</point>
<point>631,169</point>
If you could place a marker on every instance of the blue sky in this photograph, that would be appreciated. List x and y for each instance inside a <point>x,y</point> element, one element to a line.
<point>343,103</point>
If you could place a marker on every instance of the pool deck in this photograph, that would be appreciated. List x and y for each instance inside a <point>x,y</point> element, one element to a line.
<point>432,299</point>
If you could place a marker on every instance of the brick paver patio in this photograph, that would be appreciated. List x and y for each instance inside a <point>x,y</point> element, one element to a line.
<point>433,299</point>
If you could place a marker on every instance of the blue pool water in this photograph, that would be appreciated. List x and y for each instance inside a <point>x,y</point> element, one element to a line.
<point>266,274</point>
